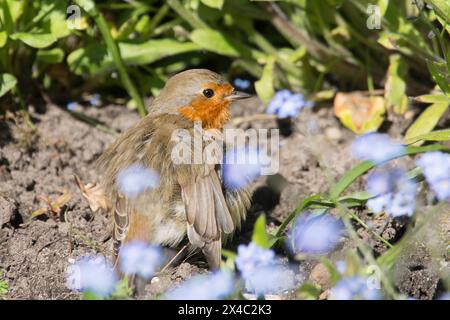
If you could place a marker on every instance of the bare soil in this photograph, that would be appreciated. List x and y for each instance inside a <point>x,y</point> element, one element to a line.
<point>37,168</point>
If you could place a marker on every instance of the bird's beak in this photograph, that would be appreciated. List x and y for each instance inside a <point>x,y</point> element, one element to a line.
<point>238,95</point>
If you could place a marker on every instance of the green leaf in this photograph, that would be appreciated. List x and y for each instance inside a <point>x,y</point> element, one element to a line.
<point>55,55</point>
<point>395,88</point>
<point>56,22</point>
<point>35,40</point>
<point>393,41</point>
<point>359,197</point>
<point>3,287</point>
<point>122,290</point>
<point>6,17</point>
<point>309,291</point>
<point>388,258</point>
<point>438,135</point>
<point>7,82</point>
<point>433,98</point>
<point>440,75</point>
<point>88,6</point>
<point>441,7</point>
<point>444,24</point>
<point>217,4</point>
<point>260,236</point>
<point>96,59</point>
<point>264,86</point>
<point>87,295</point>
<point>294,214</point>
<point>229,259</point>
<point>426,122</point>
<point>228,254</point>
<point>3,38</point>
<point>349,177</point>
<point>16,8</point>
<point>218,42</point>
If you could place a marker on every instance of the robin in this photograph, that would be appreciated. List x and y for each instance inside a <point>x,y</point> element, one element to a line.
<point>190,199</point>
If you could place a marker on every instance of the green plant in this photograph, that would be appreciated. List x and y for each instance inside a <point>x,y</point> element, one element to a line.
<point>303,45</point>
<point>4,287</point>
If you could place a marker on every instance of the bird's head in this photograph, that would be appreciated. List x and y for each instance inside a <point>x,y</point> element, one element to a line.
<point>199,95</point>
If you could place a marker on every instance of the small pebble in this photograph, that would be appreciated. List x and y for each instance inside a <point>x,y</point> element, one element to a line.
<point>333,133</point>
<point>154,280</point>
<point>320,276</point>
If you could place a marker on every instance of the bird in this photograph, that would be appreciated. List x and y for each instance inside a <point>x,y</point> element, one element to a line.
<point>191,201</point>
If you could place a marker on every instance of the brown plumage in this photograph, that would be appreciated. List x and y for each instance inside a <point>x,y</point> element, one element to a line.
<point>191,200</point>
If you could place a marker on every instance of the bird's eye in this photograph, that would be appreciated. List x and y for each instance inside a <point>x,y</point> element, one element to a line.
<point>209,93</point>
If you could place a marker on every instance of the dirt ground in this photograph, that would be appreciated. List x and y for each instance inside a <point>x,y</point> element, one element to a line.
<point>38,168</point>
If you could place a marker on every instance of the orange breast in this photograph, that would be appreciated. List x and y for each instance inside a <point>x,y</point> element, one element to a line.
<point>212,112</point>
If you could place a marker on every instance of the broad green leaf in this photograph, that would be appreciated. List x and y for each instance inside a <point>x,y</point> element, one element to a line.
<point>441,7</point>
<point>56,22</point>
<point>95,58</point>
<point>401,33</point>
<point>433,98</point>
<point>6,18</point>
<point>260,236</point>
<point>395,88</point>
<point>88,6</point>
<point>35,40</point>
<point>7,82</point>
<point>444,24</point>
<point>218,42</point>
<point>17,8</point>
<point>438,135</point>
<point>55,55</point>
<point>426,121</point>
<point>3,38</point>
<point>217,4</point>
<point>393,41</point>
<point>383,5</point>
<point>264,86</point>
<point>440,75</point>
<point>10,13</point>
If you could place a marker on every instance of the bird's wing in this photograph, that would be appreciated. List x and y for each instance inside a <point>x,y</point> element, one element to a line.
<point>207,213</point>
<point>121,224</point>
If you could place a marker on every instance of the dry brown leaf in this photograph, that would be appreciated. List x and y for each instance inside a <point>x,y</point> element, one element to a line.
<point>359,112</point>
